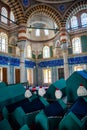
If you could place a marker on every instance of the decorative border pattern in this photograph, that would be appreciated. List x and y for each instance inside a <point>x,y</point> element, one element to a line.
<point>4,60</point>
<point>30,64</point>
<point>71,61</point>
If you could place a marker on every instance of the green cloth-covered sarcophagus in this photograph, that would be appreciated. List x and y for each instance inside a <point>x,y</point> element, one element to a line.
<point>24,111</point>
<point>11,94</point>
<point>49,117</point>
<point>76,116</point>
<point>73,82</point>
<point>5,125</point>
<point>60,84</point>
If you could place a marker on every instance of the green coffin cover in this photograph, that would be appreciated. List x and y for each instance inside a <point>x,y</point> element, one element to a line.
<point>11,94</point>
<point>73,82</point>
<point>42,121</point>
<point>27,118</point>
<point>25,127</point>
<point>71,122</point>
<point>2,84</point>
<point>4,125</point>
<point>48,123</point>
<point>60,84</point>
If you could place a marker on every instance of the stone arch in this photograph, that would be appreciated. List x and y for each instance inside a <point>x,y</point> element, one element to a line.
<point>17,10</point>
<point>75,8</point>
<point>44,9</point>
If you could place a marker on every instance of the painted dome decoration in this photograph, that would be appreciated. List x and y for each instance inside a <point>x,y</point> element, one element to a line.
<point>25,3</point>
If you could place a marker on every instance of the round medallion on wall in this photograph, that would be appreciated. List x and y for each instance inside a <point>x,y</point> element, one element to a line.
<point>61,8</point>
<point>25,3</point>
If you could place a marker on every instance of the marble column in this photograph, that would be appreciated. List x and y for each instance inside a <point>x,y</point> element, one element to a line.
<point>21,44</point>
<point>64,38</point>
<point>65,58</point>
<point>22,62</point>
<point>10,74</point>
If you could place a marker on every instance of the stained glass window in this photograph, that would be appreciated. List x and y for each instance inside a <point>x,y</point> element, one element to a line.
<point>30,76</point>
<point>4,15</point>
<point>46,52</point>
<point>47,75</point>
<point>74,22</point>
<point>29,53</point>
<point>12,17</point>
<point>3,42</point>
<point>46,32</point>
<point>37,32</point>
<point>78,68</point>
<point>84,19</point>
<point>76,44</point>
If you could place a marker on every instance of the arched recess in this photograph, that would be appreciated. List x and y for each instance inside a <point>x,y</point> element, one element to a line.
<point>75,8</point>
<point>17,10</point>
<point>44,9</point>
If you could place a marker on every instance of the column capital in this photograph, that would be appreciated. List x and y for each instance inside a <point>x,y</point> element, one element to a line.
<point>64,38</point>
<point>22,32</point>
<point>21,44</point>
<point>64,46</point>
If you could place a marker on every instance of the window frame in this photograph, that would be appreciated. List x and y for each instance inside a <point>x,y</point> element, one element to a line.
<point>46,52</point>
<point>3,38</point>
<point>76,49</point>
<point>29,51</point>
<point>74,22</point>
<point>47,77</point>
<point>30,75</point>
<point>12,18</point>
<point>4,14</point>
<point>83,23</point>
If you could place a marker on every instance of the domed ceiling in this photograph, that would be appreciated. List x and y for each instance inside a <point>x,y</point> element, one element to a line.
<point>44,15</point>
<point>54,1</point>
<point>46,26</point>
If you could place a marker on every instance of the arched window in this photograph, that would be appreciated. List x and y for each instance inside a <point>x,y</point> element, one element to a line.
<point>46,32</point>
<point>74,23</point>
<point>76,44</point>
<point>29,52</point>
<point>3,42</point>
<point>78,68</point>
<point>47,75</point>
<point>30,76</point>
<point>67,25</point>
<point>46,52</point>
<point>37,32</point>
<point>4,15</point>
<point>12,17</point>
<point>84,19</point>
